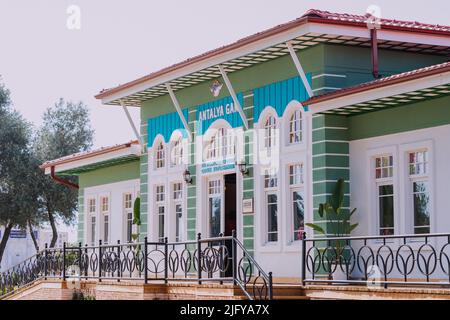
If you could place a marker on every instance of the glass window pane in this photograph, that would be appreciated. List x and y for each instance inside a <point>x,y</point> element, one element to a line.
<point>421,207</point>
<point>214,216</point>
<point>298,213</point>
<point>386,209</point>
<point>272,225</point>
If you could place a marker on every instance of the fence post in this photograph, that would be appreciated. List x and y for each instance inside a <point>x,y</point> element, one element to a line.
<point>64,262</point>
<point>119,264</point>
<point>166,262</point>
<point>100,260</point>
<point>303,257</point>
<point>45,261</point>
<point>222,262</point>
<point>270,286</point>
<point>234,253</point>
<point>87,264</point>
<point>199,258</point>
<point>145,260</point>
<point>80,264</point>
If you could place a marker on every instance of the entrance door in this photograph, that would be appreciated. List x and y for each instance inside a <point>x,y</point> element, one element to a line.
<point>215,205</point>
<point>230,204</point>
<point>222,205</point>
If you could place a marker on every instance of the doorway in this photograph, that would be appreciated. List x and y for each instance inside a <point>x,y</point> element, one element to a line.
<point>230,204</point>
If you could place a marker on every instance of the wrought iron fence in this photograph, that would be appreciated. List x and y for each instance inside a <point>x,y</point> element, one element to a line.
<point>221,259</point>
<point>396,260</point>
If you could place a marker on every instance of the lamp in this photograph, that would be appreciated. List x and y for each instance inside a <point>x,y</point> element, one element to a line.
<point>187,176</point>
<point>242,166</point>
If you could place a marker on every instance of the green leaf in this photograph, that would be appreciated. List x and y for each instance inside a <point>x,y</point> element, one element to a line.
<point>337,199</point>
<point>321,209</point>
<point>317,228</point>
<point>352,212</point>
<point>137,211</point>
<point>352,227</point>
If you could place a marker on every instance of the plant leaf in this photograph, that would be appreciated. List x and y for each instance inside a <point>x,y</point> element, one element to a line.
<point>352,227</point>
<point>317,228</point>
<point>337,199</point>
<point>321,209</point>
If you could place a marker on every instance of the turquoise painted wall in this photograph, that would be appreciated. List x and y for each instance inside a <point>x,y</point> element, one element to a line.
<point>165,125</point>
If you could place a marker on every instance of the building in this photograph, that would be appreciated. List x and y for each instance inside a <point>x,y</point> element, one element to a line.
<point>45,237</point>
<point>253,136</point>
<point>20,245</point>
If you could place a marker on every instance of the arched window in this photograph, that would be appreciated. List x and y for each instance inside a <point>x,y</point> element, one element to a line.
<point>176,155</point>
<point>221,145</point>
<point>160,155</point>
<point>295,127</point>
<point>269,132</point>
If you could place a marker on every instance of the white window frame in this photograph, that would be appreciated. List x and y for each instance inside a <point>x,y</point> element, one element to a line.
<point>126,211</point>
<point>176,151</point>
<point>373,183</point>
<point>160,155</point>
<point>178,201</point>
<point>92,214</point>
<point>290,123</point>
<point>271,190</point>
<point>160,202</point>
<point>407,179</point>
<point>103,215</point>
<point>295,187</point>
<point>218,193</point>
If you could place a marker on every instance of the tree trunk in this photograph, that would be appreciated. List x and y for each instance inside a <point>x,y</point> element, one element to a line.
<point>5,240</point>
<point>51,219</point>
<point>36,245</point>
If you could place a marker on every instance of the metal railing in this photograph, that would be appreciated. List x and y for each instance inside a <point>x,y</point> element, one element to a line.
<point>397,260</point>
<point>222,260</point>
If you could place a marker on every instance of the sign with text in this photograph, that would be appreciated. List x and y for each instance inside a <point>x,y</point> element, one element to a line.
<point>217,166</point>
<point>247,205</point>
<point>18,234</point>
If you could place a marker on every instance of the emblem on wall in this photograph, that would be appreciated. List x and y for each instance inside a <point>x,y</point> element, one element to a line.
<point>216,87</point>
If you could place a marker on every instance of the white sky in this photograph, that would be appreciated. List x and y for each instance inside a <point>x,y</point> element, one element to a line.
<point>41,60</point>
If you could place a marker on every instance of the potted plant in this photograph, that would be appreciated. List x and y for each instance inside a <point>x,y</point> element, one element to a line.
<point>338,226</point>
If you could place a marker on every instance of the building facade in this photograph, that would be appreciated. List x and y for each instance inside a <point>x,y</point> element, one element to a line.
<point>253,136</point>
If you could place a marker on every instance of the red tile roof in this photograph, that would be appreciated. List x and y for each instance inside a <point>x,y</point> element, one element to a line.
<point>312,15</point>
<point>386,81</point>
<point>385,23</point>
<point>87,154</point>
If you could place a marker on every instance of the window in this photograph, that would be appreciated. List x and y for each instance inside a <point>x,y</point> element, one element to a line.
<point>128,211</point>
<point>176,158</point>
<point>221,145</point>
<point>160,209</point>
<point>297,200</point>
<point>295,127</point>
<point>384,167</point>
<point>271,197</point>
<point>92,205</point>
<point>160,156</point>
<point>104,204</point>
<point>92,216</point>
<point>178,207</point>
<point>215,207</point>
<point>93,226</point>
<point>419,186</point>
<point>384,171</point>
<point>106,229</point>
<point>104,207</point>
<point>270,133</point>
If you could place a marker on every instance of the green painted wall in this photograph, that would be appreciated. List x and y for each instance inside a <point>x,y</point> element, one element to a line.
<point>111,174</point>
<point>356,64</point>
<point>423,114</point>
<point>117,173</point>
<point>330,163</point>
